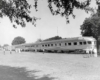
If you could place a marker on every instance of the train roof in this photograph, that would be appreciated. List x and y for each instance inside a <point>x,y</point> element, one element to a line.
<point>71,39</point>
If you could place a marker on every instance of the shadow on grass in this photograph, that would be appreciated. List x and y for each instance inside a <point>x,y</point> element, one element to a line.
<point>11,73</point>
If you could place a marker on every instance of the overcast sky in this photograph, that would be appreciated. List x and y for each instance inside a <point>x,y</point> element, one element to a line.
<point>46,27</point>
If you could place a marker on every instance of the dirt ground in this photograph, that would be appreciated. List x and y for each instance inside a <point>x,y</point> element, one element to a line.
<point>56,66</point>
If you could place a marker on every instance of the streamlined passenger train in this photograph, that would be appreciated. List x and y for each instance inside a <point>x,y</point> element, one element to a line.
<point>61,45</point>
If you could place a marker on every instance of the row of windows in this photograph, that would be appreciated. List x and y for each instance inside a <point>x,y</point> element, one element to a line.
<point>69,44</point>
<point>75,43</point>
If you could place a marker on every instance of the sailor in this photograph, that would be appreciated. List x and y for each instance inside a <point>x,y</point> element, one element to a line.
<point>95,52</point>
<point>88,52</point>
<point>4,50</point>
<point>10,51</point>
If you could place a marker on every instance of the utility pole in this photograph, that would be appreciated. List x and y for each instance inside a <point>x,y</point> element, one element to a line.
<point>57,30</point>
<point>40,35</point>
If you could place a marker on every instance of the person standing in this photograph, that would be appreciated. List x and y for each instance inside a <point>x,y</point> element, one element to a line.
<point>10,51</point>
<point>4,51</point>
<point>95,52</point>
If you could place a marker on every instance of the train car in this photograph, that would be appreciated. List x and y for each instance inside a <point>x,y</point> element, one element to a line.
<point>61,45</point>
<point>70,44</point>
<point>85,44</point>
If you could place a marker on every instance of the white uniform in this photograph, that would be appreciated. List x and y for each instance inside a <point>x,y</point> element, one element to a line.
<point>88,52</point>
<point>18,50</point>
<point>95,52</point>
<point>4,51</point>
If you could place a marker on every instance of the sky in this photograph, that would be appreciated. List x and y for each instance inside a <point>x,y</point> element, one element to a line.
<point>48,26</point>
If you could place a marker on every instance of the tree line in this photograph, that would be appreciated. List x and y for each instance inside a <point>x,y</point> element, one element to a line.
<point>19,11</point>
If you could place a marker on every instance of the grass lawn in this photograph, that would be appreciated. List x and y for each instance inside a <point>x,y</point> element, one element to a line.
<point>48,66</point>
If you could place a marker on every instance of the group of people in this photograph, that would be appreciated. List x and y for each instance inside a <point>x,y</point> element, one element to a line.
<point>10,50</point>
<point>4,51</point>
<point>91,52</point>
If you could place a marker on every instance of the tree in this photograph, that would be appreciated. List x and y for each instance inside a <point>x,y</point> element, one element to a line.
<point>18,11</point>
<point>91,27</point>
<point>5,45</point>
<point>53,38</point>
<point>18,40</point>
<point>66,7</point>
<point>38,40</point>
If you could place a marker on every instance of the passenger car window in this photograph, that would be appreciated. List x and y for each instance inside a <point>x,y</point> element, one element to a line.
<point>75,43</point>
<point>84,42</point>
<point>51,44</point>
<point>65,44</point>
<point>69,43</point>
<point>48,45</point>
<point>59,44</point>
<point>89,42</point>
<point>42,45</point>
<point>45,45</point>
<point>80,43</point>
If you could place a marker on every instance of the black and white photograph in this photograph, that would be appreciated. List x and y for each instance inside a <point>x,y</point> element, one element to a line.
<point>49,40</point>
